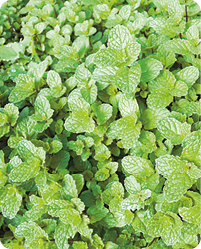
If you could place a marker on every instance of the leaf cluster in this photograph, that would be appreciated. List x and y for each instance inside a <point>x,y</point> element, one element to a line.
<point>100,124</point>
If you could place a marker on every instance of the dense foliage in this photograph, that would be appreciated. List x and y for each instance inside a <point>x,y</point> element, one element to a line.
<point>99,124</point>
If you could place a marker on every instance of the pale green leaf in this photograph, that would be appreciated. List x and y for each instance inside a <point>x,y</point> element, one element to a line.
<point>128,79</point>
<point>25,171</point>
<point>179,46</point>
<point>173,130</point>
<point>89,93</point>
<point>79,122</point>
<point>167,225</point>
<point>126,130</point>
<point>136,166</point>
<point>119,37</point>
<point>11,206</point>
<point>128,106</point>
<point>189,75</point>
<point>131,185</point>
<point>150,69</point>
<point>103,113</point>
<point>43,110</point>
<point>61,235</point>
<point>12,113</point>
<point>70,186</point>
<point>191,215</point>
<point>176,185</point>
<point>159,98</point>
<point>54,80</point>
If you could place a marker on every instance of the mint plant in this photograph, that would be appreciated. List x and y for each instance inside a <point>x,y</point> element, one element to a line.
<point>100,133</point>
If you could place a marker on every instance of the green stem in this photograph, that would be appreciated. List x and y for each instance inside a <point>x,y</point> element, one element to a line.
<point>186,10</point>
<point>55,12</point>
<point>38,40</point>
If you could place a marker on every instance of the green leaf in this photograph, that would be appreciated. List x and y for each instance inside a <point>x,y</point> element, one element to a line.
<point>37,210</point>
<point>168,164</point>
<point>11,206</point>
<point>174,206</point>
<point>102,153</point>
<point>102,174</point>
<point>3,119</point>
<point>30,231</point>
<point>175,10</point>
<point>24,88</point>
<point>131,185</point>
<point>104,76</point>
<point>103,113</point>
<point>150,117</point>
<point>119,37</point>
<point>12,113</point>
<point>83,228</point>
<point>189,228</point>
<point>192,34</point>
<point>55,146</point>
<point>77,104</point>
<point>162,27</point>
<point>54,80</point>
<point>179,46</point>
<point>173,130</point>
<point>106,57</point>
<point>192,152</point>
<point>70,216</point>
<point>38,70</point>
<point>136,166</point>
<point>26,149</point>
<point>125,12</point>
<point>150,69</point>
<point>151,182</point>
<point>54,206</point>
<point>61,235</point>
<point>79,181</point>
<point>191,215</point>
<point>79,122</point>
<point>96,213</point>
<point>82,75</point>
<point>148,141</point>
<point>167,225</point>
<point>25,171</point>
<point>69,188</point>
<point>10,51</point>
<point>128,79</point>
<point>138,222</point>
<point>89,93</point>
<point>180,89</point>
<point>166,79</point>
<point>189,75</point>
<point>159,98</point>
<point>176,185</point>
<point>43,111</point>
<point>126,130</point>
<point>80,245</point>
<point>128,106</point>
<point>78,204</point>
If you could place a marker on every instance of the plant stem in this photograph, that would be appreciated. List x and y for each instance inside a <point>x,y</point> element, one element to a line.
<point>153,241</point>
<point>38,40</point>
<point>55,12</point>
<point>186,10</point>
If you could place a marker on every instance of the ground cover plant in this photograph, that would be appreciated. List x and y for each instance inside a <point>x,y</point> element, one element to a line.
<point>99,124</point>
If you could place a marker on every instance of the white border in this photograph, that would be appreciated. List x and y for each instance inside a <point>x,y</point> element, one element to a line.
<point>199,246</point>
<point>1,1</point>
